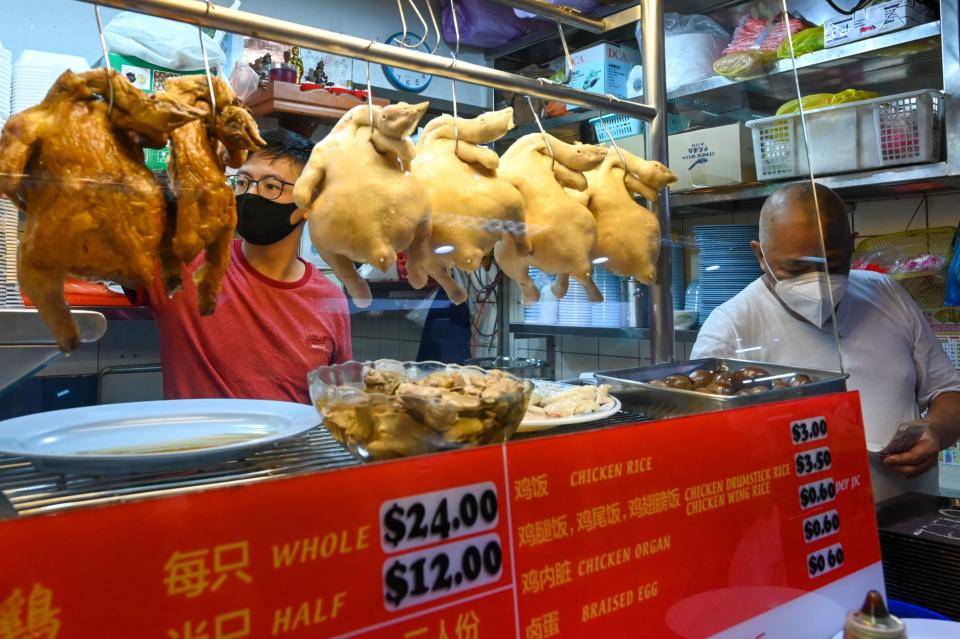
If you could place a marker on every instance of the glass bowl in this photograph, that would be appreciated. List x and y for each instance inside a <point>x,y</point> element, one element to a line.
<point>388,409</point>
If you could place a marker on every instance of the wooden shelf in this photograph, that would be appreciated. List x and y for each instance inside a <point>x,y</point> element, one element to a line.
<point>276,98</point>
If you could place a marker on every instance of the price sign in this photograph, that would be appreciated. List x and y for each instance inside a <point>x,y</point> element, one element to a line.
<point>808,430</point>
<point>820,526</point>
<point>424,575</point>
<point>823,561</point>
<point>818,492</point>
<point>812,461</point>
<point>421,520</point>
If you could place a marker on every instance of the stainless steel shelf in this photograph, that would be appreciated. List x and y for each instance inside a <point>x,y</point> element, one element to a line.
<point>875,184</point>
<point>532,331</point>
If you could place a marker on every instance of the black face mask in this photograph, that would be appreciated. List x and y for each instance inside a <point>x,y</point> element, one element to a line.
<point>262,221</point>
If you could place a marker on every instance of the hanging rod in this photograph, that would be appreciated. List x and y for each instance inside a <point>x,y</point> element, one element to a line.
<point>559,13</point>
<point>206,14</point>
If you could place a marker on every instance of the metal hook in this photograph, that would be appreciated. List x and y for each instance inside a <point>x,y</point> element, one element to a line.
<point>568,74</point>
<point>436,27</point>
<point>543,133</point>
<point>206,67</point>
<point>453,83</point>
<point>616,147</point>
<point>106,57</point>
<point>403,22</point>
<point>369,96</point>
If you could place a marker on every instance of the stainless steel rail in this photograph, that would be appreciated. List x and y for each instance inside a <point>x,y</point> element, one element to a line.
<point>558,13</point>
<point>210,15</point>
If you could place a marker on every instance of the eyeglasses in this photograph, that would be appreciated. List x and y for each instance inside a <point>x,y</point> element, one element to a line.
<point>270,188</point>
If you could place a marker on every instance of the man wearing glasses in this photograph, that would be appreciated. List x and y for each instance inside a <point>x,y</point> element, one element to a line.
<point>277,317</point>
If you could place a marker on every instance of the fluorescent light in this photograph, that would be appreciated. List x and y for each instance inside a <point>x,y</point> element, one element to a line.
<point>713,267</point>
<point>600,260</point>
<point>443,250</point>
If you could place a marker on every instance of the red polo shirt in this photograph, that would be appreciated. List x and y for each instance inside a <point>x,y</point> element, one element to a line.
<point>262,340</point>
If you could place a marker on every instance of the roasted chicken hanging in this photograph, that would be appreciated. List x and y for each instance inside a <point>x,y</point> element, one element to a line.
<point>628,235</point>
<point>75,165</point>
<point>364,203</point>
<point>471,208</point>
<point>206,208</point>
<point>561,230</point>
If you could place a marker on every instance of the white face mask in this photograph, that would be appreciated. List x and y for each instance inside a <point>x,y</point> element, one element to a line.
<point>806,295</point>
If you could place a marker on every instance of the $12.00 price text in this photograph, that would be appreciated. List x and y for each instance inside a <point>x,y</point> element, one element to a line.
<point>437,572</point>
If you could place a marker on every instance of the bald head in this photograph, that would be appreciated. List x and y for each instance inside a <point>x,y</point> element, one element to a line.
<point>790,231</point>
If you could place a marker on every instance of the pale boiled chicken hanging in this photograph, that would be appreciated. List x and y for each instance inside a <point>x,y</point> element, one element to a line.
<point>628,235</point>
<point>561,230</point>
<point>75,164</point>
<point>471,207</point>
<point>364,203</point>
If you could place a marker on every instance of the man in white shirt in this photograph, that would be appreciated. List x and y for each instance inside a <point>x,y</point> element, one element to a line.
<point>887,347</point>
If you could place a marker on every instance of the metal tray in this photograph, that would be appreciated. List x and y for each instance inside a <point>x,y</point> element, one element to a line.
<point>631,387</point>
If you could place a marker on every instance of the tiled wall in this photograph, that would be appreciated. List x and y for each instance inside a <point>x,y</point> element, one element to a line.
<point>388,335</point>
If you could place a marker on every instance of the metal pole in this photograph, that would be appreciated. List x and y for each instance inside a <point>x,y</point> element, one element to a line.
<point>655,93</point>
<point>554,12</point>
<point>206,14</point>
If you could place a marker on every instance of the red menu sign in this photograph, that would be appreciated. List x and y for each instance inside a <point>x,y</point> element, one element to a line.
<point>750,523</point>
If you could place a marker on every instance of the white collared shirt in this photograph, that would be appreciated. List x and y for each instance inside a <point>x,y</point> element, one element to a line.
<point>888,349</point>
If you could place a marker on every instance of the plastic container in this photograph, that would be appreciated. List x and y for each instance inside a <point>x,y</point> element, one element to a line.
<point>888,131</point>
<point>282,72</point>
<point>622,126</point>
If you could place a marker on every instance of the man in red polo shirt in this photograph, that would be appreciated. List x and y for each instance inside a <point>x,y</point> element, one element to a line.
<point>277,317</point>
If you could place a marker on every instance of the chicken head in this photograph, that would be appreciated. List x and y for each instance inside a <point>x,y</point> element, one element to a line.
<point>364,203</point>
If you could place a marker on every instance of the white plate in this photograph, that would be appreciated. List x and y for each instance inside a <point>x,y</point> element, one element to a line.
<point>926,629</point>
<point>529,425</point>
<point>129,438</point>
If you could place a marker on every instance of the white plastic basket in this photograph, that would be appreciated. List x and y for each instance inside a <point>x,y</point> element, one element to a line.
<point>870,134</point>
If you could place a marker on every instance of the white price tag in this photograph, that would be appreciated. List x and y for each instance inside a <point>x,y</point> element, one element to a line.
<point>820,526</point>
<point>808,430</point>
<point>428,574</point>
<point>823,561</point>
<point>812,461</point>
<point>817,493</point>
<point>420,520</point>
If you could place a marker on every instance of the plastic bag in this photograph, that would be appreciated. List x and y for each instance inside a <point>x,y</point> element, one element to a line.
<point>244,80</point>
<point>741,64</point>
<point>748,35</point>
<point>807,41</point>
<point>812,101</point>
<point>691,44</point>
<point>853,95</point>
<point>486,24</point>
<point>778,34</point>
<point>165,43</point>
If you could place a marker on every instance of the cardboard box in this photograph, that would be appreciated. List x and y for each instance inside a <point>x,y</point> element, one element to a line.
<point>149,78</point>
<point>880,18</point>
<point>720,156</point>
<point>603,68</point>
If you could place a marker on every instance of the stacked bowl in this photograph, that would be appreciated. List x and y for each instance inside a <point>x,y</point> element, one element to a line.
<point>727,263</point>
<point>35,72</point>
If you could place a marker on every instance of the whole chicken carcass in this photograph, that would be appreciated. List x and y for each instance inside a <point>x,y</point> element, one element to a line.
<point>561,230</point>
<point>93,209</point>
<point>470,207</point>
<point>206,207</point>
<point>364,203</point>
<point>628,235</point>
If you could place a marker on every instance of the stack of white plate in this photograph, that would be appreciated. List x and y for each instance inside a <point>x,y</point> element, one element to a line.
<point>6,80</point>
<point>608,312</point>
<point>9,289</point>
<point>36,71</point>
<point>727,263</point>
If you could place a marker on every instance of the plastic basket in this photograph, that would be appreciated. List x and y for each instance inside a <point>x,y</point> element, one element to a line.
<point>888,131</point>
<point>925,287</point>
<point>622,126</point>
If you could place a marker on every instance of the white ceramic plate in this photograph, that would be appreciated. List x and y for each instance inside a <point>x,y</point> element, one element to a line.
<point>529,425</point>
<point>151,437</point>
<point>926,629</point>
